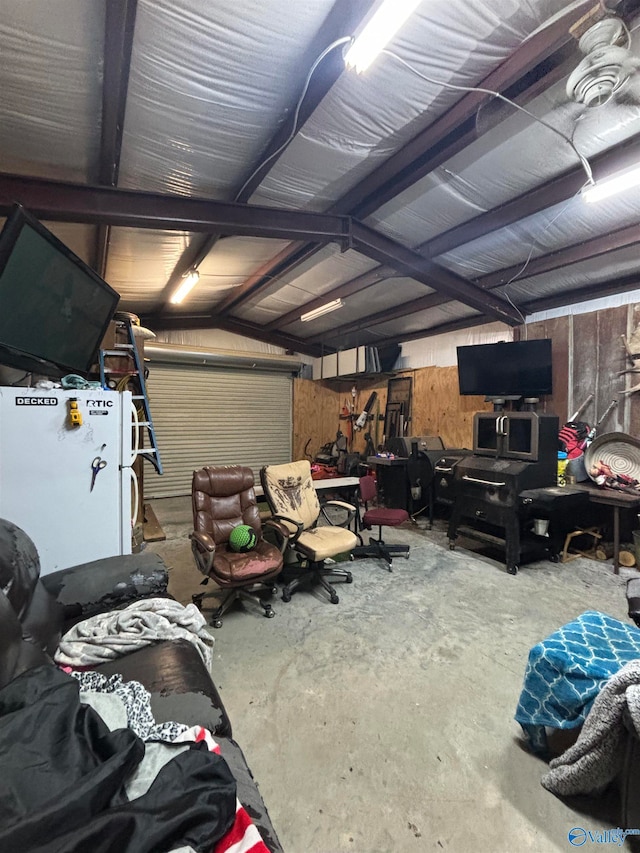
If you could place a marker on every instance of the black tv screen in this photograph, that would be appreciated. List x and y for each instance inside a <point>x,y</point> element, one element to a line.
<point>521,368</point>
<point>54,309</point>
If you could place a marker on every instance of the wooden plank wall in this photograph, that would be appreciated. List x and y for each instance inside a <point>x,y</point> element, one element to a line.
<point>437,409</point>
<point>588,357</point>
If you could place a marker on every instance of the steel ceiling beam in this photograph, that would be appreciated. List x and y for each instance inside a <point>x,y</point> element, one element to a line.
<point>407,262</point>
<point>583,294</point>
<point>577,252</point>
<point>343,19</point>
<point>406,309</point>
<point>268,270</point>
<point>523,75</point>
<point>542,197</point>
<point>342,291</point>
<point>442,329</point>
<point>545,303</point>
<point>59,201</point>
<point>553,192</point>
<point>163,322</point>
<point>65,202</point>
<point>120,18</point>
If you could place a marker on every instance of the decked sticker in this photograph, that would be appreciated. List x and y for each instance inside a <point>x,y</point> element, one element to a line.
<point>36,401</point>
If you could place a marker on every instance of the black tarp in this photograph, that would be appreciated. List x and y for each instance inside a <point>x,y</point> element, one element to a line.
<point>62,786</point>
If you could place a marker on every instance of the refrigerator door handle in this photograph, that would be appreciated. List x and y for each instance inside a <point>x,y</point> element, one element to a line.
<point>135,427</point>
<point>136,497</point>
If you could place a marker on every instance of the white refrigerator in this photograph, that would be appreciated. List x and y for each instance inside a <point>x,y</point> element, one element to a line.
<point>47,469</point>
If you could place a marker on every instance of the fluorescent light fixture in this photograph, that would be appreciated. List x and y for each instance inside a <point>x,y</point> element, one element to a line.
<point>189,281</point>
<point>378,32</point>
<point>323,309</point>
<point>624,180</point>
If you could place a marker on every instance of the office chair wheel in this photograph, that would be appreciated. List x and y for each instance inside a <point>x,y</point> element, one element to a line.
<point>349,578</point>
<point>513,570</point>
<point>217,623</point>
<point>274,590</point>
<point>286,595</point>
<point>197,600</point>
<point>452,545</point>
<point>334,599</point>
<point>269,613</point>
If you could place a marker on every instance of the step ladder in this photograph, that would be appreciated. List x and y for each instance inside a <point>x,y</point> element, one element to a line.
<point>130,350</point>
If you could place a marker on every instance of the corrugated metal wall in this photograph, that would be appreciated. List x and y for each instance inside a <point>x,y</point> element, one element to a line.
<point>207,416</point>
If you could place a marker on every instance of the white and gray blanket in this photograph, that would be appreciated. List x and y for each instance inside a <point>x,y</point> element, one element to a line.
<point>110,635</point>
<point>597,756</point>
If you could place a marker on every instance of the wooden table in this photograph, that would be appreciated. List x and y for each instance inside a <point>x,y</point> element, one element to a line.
<point>617,500</point>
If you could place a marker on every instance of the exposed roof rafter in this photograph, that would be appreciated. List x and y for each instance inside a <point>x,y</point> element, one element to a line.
<point>342,20</point>
<point>120,18</point>
<point>553,192</point>
<point>545,303</point>
<point>163,322</point>
<point>59,201</point>
<point>377,246</point>
<point>543,53</point>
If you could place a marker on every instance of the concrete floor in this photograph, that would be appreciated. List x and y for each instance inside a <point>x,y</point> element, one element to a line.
<point>385,723</point>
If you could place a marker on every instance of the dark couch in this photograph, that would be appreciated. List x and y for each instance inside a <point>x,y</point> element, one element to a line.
<point>34,612</point>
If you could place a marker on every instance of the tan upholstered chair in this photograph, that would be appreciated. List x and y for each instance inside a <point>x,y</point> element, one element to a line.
<point>293,501</point>
<point>222,498</point>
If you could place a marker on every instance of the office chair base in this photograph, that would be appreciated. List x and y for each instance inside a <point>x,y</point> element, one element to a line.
<point>230,598</point>
<point>309,577</point>
<point>378,548</point>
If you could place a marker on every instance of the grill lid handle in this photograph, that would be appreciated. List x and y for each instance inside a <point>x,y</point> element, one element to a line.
<point>483,482</point>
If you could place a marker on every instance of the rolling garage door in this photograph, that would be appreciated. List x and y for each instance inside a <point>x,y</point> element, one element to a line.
<point>216,416</point>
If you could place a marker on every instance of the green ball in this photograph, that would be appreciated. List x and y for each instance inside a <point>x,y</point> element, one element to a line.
<point>242,538</point>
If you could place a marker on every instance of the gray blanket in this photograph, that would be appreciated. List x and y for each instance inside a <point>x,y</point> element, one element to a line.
<point>597,756</point>
<point>120,632</point>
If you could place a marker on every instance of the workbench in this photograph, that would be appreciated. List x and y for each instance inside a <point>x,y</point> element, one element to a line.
<point>617,501</point>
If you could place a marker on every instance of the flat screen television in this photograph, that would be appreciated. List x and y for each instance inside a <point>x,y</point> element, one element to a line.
<point>518,369</point>
<point>54,309</point>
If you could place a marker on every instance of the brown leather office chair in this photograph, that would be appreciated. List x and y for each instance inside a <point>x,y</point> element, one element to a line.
<point>379,516</point>
<point>293,501</point>
<point>223,498</point>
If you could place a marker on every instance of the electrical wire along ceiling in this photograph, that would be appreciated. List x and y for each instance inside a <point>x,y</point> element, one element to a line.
<point>331,173</point>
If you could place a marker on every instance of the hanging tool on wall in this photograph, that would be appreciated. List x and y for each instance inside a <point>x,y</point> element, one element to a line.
<point>579,411</point>
<point>345,415</point>
<point>593,430</point>
<point>364,416</point>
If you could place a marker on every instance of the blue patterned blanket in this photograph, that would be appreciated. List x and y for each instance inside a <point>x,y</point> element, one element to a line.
<point>566,671</point>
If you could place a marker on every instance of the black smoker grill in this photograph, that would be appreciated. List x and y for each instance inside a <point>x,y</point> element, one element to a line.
<point>520,455</point>
<point>421,474</point>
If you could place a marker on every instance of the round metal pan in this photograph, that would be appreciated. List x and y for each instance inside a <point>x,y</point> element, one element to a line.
<point>621,452</point>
